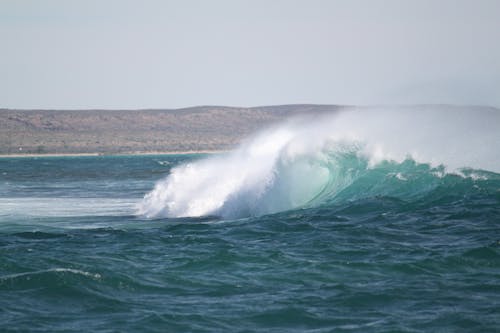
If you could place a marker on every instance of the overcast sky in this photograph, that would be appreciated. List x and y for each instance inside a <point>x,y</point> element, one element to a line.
<point>169,54</point>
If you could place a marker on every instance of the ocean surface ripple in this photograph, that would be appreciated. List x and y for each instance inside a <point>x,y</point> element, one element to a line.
<point>393,246</point>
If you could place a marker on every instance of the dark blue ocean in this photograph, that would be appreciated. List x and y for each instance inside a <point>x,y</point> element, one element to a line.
<point>400,247</point>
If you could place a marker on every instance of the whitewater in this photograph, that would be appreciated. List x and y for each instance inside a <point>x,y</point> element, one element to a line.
<point>311,160</point>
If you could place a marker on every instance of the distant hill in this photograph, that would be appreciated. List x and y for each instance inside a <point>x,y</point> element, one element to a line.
<point>138,131</point>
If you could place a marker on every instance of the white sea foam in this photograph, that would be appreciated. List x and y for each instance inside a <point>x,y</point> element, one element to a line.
<point>51,270</point>
<point>66,207</point>
<point>290,165</point>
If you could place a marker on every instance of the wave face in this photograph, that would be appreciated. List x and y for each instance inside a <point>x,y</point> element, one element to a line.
<point>356,153</point>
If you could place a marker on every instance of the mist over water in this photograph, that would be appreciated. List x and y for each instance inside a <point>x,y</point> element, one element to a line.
<point>316,159</point>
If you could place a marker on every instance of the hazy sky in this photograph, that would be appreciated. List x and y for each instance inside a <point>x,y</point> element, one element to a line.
<point>166,54</point>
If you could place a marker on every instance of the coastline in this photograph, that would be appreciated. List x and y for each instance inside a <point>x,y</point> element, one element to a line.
<point>183,152</point>
<point>201,129</point>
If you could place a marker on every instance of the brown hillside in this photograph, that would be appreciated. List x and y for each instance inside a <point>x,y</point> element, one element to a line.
<point>132,131</point>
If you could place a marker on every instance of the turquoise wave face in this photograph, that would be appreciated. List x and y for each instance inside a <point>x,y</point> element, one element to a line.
<point>346,178</point>
<point>409,181</point>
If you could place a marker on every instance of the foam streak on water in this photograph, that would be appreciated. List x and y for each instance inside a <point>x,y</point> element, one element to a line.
<point>65,207</point>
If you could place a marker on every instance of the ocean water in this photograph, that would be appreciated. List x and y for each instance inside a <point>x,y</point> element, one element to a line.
<point>295,231</point>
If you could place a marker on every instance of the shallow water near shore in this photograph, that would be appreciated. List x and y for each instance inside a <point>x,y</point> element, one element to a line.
<point>418,251</point>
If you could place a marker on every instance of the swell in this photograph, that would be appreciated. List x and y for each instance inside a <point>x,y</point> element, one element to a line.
<point>406,153</point>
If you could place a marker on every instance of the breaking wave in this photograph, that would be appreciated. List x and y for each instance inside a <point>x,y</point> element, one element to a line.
<point>357,152</point>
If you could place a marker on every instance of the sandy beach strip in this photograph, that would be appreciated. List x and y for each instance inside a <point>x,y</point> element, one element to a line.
<point>184,152</point>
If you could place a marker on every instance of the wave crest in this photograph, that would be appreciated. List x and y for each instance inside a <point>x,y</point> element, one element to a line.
<point>309,161</point>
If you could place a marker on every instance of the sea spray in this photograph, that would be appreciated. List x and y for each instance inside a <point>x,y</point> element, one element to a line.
<point>311,159</point>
